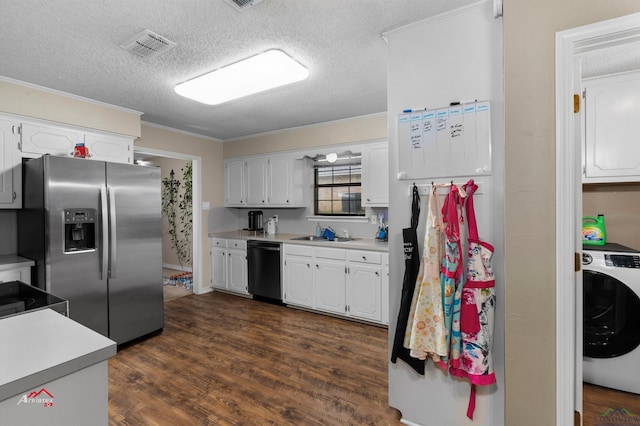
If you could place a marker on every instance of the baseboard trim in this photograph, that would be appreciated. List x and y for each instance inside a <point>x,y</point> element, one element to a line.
<point>177,267</point>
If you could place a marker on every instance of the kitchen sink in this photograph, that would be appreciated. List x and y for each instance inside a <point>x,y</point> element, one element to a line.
<point>320,239</point>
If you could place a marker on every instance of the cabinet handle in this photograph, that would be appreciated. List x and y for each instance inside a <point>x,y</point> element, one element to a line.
<point>308,266</point>
<point>364,258</point>
<point>368,199</point>
<point>377,274</point>
<point>318,266</point>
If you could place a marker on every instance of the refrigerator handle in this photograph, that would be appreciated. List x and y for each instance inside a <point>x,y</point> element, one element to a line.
<point>105,231</point>
<point>113,261</point>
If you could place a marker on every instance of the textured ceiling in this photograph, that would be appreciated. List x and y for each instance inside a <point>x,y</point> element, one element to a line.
<point>73,46</point>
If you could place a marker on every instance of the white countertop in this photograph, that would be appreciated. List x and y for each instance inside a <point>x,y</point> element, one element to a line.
<point>357,243</point>
<point>42,346</point>
<point>11,261</point>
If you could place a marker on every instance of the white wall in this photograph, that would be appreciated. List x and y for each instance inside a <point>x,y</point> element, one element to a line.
<point>448,58</point>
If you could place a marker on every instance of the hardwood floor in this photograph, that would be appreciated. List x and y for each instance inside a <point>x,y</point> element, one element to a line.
<point>597,400</point>
<point>226,360</point>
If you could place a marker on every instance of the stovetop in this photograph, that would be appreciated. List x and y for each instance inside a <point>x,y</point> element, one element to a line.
<point>17,297</point>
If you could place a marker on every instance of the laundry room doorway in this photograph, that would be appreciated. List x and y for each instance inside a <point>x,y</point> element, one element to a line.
<point>571,46</point>
<point>182,220</point>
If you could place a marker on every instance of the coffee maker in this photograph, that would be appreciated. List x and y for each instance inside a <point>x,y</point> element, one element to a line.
<point>255,220</point>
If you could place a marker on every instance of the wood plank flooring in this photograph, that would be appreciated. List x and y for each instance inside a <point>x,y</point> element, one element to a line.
<point>597,400</point>
<point>226,360</point>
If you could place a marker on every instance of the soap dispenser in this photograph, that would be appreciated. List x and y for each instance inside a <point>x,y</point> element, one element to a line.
<point>318,230</point>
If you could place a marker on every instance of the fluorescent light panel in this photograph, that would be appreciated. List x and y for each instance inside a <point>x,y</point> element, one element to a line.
<point>258,73</point>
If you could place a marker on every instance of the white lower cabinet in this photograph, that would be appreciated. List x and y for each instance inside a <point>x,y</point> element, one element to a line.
<point>229,265</point>
<point>14,268</point>
<point>298,279</point>
<point>344,282</point>
<point>364,285</point>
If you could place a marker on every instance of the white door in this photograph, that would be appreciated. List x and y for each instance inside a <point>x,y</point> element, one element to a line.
<point>364,287</point>
<point>256,185</point>
<point>109,148</point>
<point>234,183</point>
<point>49,140</point>
<point>9,165</point>
<point>298,281</point>
<point>329,285</point>
<point>375,170</point>
<point>612,107</point>
<point>218,267</point>
<point>237,271</point>
<point>279,180</point>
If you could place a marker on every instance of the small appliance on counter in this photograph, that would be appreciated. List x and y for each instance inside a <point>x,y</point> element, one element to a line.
<point>255,220</point>
<point>271,226</point>
<point>17,297</point>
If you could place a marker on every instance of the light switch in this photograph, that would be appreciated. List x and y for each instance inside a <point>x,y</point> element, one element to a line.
<point>206,205</point>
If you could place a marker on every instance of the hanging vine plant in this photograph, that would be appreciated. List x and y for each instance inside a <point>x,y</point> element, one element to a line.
<point>177,207</point>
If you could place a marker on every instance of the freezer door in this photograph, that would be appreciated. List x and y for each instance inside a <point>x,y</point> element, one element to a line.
<point>135,256</point>
<point>72,184</point>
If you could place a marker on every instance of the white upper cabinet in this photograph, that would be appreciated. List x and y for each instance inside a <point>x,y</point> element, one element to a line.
<point>256,172</point>
<point>234,183</point>
<point>48,139</point>
<point>10,170</point>
<point>612,129</point>
<point>39,138</point>
<point>280,180</point>
<point>264,181</point>
<point>375,175</point>
<point>116,149</point>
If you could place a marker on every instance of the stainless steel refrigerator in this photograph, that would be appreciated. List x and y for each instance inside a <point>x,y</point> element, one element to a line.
<point>94,230</point>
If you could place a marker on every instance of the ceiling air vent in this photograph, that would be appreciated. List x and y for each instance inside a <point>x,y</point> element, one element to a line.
<point>147,43</point>
<point>241,5</point>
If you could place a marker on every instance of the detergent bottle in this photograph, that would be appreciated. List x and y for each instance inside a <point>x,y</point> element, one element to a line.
<point>593,231</point>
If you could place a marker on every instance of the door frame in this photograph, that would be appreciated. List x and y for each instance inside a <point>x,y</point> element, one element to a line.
<point>196,188</point>
<point>569,198</point>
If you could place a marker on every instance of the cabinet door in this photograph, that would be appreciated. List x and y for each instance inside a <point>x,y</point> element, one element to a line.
<point>298,281</point>
<point>109,148</point>
<point>329,285</point>
<point>279,180</point>
<point>218,267</point>
<point>612,108</point>
<point>237,271</point>
<point>15,275</point>
<point>364,285</point>
<point>256,185</point>
<point>375,176</point>
<point>49,140</point>
<point>385,288</point>
<point>234,183</point>
<point>10,174</point>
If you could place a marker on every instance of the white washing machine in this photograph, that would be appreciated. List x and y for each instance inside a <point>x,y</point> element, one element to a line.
<point>611,328</point>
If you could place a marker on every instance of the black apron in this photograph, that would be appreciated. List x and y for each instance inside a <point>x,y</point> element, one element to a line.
<point>411,268</point>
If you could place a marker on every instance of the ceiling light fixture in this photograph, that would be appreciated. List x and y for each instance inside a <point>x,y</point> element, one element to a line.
<point>258,73</point>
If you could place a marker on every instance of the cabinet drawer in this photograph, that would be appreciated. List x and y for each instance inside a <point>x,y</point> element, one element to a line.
<point>218,242</point>
<point>330,253</point>
<point>237,244</point>
<point>364,256</point>
<point>298,249</point>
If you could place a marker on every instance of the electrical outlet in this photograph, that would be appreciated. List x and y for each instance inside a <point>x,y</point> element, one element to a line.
<point>374,220</point>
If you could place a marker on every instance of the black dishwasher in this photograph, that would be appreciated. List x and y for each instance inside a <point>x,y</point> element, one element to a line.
<point>263,264</point>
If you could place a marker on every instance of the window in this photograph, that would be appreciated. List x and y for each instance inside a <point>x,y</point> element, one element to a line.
<point>338,189</point>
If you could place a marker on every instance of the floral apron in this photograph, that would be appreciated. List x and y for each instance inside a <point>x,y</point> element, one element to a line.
<point>426,331</point>
<point>477,308</point>
<point>451,270</point>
